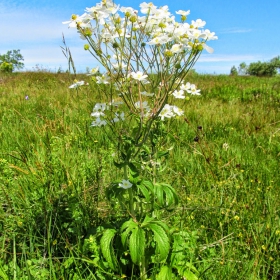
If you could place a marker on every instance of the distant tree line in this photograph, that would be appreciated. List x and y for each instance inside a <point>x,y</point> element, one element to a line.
<point>260,69</point>
<point>11,61</point>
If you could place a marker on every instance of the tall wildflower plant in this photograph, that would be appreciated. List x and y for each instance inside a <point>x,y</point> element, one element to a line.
<point>144,59</point>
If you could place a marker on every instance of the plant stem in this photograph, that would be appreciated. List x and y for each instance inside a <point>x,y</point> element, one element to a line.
<point>130,193</point>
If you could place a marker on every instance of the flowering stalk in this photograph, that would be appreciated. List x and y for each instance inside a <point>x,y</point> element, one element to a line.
<point>145,59</point>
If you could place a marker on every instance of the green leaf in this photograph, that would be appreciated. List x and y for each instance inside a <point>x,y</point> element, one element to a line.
<point>126,228</point>
<point>144,190</point>
<point>161,238</point>
<point>162,154</point>
<point>149,185</point>
<point>133,170</point>
<point>106,244</point>
<point>3,275</point>
<point>147,220</point>
<point>119,165</point>
<point>186,272</point>
<point>165,195</point>
<point>165,273</point>
<point>137,244</point>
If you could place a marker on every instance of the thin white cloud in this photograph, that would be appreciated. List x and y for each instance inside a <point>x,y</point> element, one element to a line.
<point>22,29</point>
<point>228,58</point>
<point>210,69</point>
<point>52,58</point>
<point>235,30</point>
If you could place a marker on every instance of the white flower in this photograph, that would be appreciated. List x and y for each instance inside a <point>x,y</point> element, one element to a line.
<point>118,117</point>
<point>119,65</point>
<point>166,112</point>
<point>183,13</point>
<point>97,114</point>
<point>102,80</point>
<point>128,10</point>
<point>159,40</point>
<point>125,184</point>
<point>77,84</point>
<point>144,105</point>
<point>82,21</point>
<point>198,23</point>
<point>225,146</point>
<point>210,35</point>
<point>177,111</point>
<point>147,7</point>
<point>122,32</point>
<point>179,94</point>
<point>207,48</point>
<point>177,48</point>
<point>197,34</point>
<point>99,107</point>
<point>98,122</point>
<point>170,111</point>
<point>139,76</point>
<point>193,90</point>
<point>93,71</point>
<point>185,87</point>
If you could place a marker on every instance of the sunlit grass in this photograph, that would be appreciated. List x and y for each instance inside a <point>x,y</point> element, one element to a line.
<point>55,168</point>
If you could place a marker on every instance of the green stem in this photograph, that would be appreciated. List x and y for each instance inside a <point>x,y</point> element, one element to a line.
<point>143,272</point>
<point>14,257</point>
<point>130,193</point>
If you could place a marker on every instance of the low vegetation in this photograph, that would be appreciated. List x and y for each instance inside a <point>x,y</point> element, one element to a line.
<point>260,69</point>
<point>55,171</point>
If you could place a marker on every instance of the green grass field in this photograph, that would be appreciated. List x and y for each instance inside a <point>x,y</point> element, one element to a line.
<point>55,168</point>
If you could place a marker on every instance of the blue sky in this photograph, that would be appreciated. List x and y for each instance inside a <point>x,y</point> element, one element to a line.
<point>247,31</point>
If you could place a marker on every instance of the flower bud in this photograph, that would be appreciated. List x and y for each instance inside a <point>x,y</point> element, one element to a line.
<point>118,20</point>
<point>168,53</point>
<point>199,47</point>
<point>87,32</point>
<point>74,17</point>
<point>133,19</point>
<point>115,45</point>
<point>86,47</point>
<point>183,18</point>
<point>162,25</point>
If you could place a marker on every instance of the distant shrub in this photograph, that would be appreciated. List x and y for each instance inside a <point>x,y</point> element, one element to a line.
<point>266,69</point>
<point>233,71</point>
<point>260,69</point>
<point>11,61</point>
<point>6,67</point>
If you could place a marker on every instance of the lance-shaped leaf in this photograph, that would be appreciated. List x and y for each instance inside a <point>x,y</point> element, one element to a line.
<point>165,273</point>
<point>161,238</point>
<point>165,195</point>
<point>106,244</point>
<point>137,244</point>
<point>126,229</point>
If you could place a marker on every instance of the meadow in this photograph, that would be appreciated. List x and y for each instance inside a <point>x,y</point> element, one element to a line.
<point>55,169</point>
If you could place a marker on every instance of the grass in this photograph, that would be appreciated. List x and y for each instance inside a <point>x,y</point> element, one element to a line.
<point>55,168</point>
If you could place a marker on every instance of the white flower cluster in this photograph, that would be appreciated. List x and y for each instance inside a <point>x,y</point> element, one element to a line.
<point>134,47</point>
<point>189,88</point>
<point>77,84</point>
<point>101,119</point>
<point>158,26</point>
